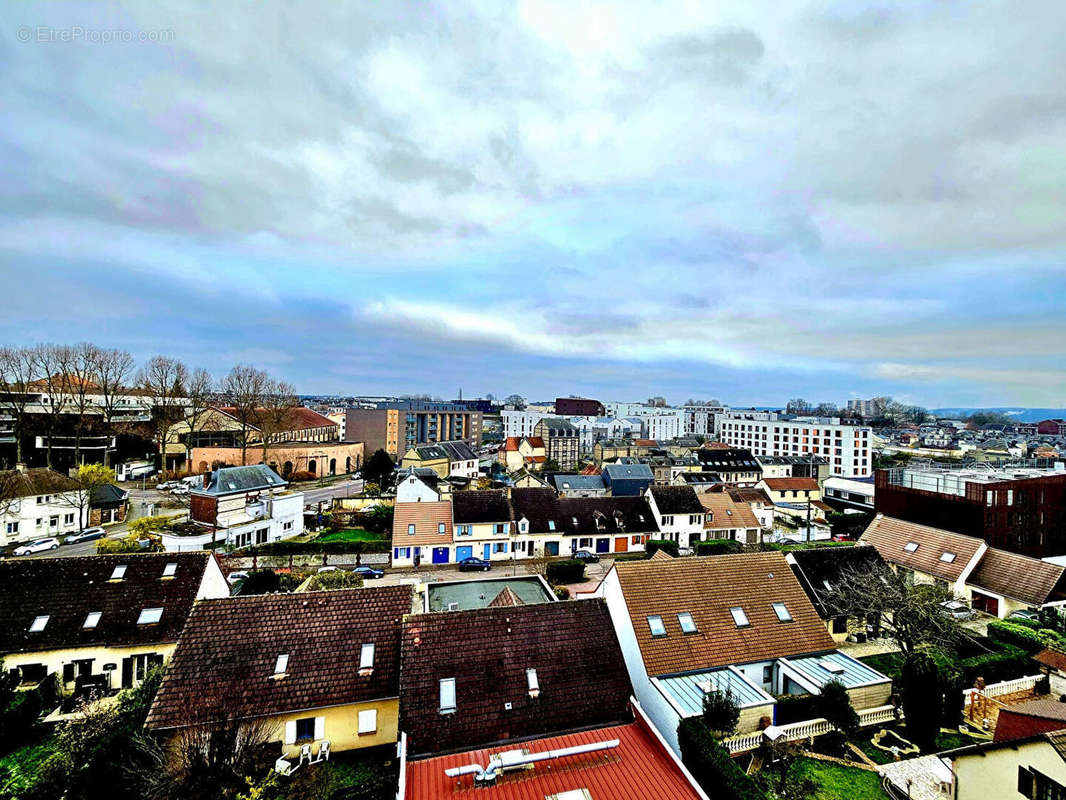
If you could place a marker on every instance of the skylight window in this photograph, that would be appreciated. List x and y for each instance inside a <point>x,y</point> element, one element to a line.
<point>688,625</point>
<point>782,612</point>
<point>447,695</point>
<point>150,616</point>
<point>551,524</point>
<point>739,617</point>
<point>366,656</point>
<point>92,620</point>
<point>910,547</point>
<point>828,586</point>
<point>119,573</point>
<point>831,666</point>
<point>170,569</point>
<point>655,624</point>
<point>532,682</point>
<point>38,624</point>
<point>947,557</point>
<point>282,664</point>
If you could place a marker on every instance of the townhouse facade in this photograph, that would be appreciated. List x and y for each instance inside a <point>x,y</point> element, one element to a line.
<point>562,444</point>
<point>38,503</point>
<point>679,514</point>
<point>448,459</point>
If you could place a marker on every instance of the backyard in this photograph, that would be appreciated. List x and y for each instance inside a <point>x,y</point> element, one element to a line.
<point>19,767</point>
<point>836,781</point>
<point>349,535</point>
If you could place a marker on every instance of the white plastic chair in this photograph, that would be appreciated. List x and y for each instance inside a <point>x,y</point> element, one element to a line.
<point>323,751</point>
<point>305,753</point>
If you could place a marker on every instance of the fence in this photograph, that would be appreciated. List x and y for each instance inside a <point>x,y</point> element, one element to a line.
<point>1026,684</point>
<point>808,729</point>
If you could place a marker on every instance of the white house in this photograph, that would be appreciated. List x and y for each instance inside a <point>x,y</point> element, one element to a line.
<point>678,513</point>
<point>418,486</point>
<point>35,503</point>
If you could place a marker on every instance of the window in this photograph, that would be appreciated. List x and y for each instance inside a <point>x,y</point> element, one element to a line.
<point>366,656</point>
<point>287,526</point>
<point>92,619</point>
<point>447,695</point>
<point>150,616</point>
<point>782,612</point>
<point>305,728</point>
<point>739,617</point>
<point>532,682</point>
<point>551,524</point>
<point>767,674</point>
<point>68,519</point>
<point>118,573</point>
<point>282,664</point>
<point>910,547</point>
<point>840,624</point>
<point>170,569</point>
<point>440,527</point>
<point>368,721</point>
<point>828,586</point>
<point>499,547</point>
<point>655,624</point>
<point>668,520</point>
<point>12,527</point>
<point>688,625</point>
<point>38,624</point>
<point>947,557</point>
<point>693,519</point>
<point>411,529</point>
<point>464,530</point>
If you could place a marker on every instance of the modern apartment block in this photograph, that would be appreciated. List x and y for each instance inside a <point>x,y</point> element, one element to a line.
<point>699,418</point>
<point>578,407</point>
<point>396,427</point>
<point>847,448</point>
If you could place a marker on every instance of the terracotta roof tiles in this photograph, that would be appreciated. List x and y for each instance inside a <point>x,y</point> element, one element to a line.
<point>892,537</point>
<point>427,519</point>
<point>1018,577</point>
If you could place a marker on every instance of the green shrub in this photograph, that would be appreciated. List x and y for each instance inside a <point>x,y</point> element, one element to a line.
<point>19,716</point>
<point>795,708</point>
<point>334,579</point>
<point>1004,663</point>
<point>289,547</point>
<point>569,571</point>
<point>561,592</point>
<point>721,713</point>
<point>653,545</point>
<point>923,698</point>
<point>262,581</point>
<point>719,547</point>
<point>1035,624</point>
<point>1018,635</point>
<point>710,764</point>
<point>834,704</point>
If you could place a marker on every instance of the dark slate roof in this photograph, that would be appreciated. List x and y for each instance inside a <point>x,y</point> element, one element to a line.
<point>106,494</point>
<point>480,506</point>
<point>242,479</point>
<point>453,451</point>
<point>539,507</point>
<point>701,478</point>
<point>820,564</point>
<point>732,458</point>
<point>557,423</point>
<point>227,654</point>
<point>572,646</point>
<point>67,590</point>
<point>577,483</point>
<point>593,514</point>
<point>676,500</point>
<point>32,482</point>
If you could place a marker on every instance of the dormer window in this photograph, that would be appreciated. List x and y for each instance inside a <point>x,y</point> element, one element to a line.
<point>656,626</point>
<point>150,616</point>
<point>739,617</point>
<point>910,547</point>
<point>574,520</point>
<point>38,624</point>
<point>281,665</point>
<point>688,625</point>
<point>170,569</point>
<point>118,573</point>
<point>532,683</point>
<point>447,695</point>
<point>947,557</point>
<point>783,614</point>
<point>92,619</point>
<point>366,657</point>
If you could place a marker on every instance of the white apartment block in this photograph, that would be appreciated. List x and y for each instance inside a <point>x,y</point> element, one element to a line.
<point>699,419</point>
<point>521,423</point>
<point>847,448</point>
<point>662,426</point>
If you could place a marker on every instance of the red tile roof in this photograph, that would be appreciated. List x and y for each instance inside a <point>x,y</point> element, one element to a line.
<point>638,769</point>
<point>427,519</point>
<point>891,536</point>
<point>791,484</point>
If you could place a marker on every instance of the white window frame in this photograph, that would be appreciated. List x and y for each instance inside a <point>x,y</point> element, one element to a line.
<point>367,722</point>
<point>446,692</point>
<point>366,656</point>
<point>656,625</point>
<point>150,616</point>
<point>118,573</point>
<point>740,617</point>
<point>687,623</point>
<point>782,612</point>
<point>39,623</point>
<point>92,619</point>
<point>281,665</point>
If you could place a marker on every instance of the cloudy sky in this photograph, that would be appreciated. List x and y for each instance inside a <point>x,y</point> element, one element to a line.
<point>745,200</point>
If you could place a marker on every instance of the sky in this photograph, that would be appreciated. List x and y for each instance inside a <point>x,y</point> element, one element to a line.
<point>749,201</point>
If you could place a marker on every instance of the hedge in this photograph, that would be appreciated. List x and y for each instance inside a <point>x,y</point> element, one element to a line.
<point>668,547</point>
<point>569,571</point>
<point>293,548</point>
<point>1018,635</point>
<point>795,708</point>
<point>710,764</point>
<point>719,547</point>
<point>1006,663</point>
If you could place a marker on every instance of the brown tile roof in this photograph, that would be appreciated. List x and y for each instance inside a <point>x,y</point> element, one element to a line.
<point>427,519</point>
<point>1018,577</point>
<point>791,484</point>
<point>1055,659</point>
<point>296,418</point>
<point>661,555</point>
<point>724,512</point>
<point>506,598</point>
<point>707,588</point>
<point>536,441</point>
<point>572,646</point>
<point>226,656</point>
<point>67,590</point>
<point>645,442</point>
<point>890,535</point>
<point>748,495</point>
<point>676,500</point>
<point>32,482</point>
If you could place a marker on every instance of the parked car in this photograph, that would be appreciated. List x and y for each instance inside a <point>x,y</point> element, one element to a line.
<point>166,486</point>
<point>685,551</point>
<point>51,543</point>
<point>840,537</point>
<point>236,577</point>
<point>1024,613</point>
<point>327,569</point>
<point>788,540</point>
<point>85,535</point>
<point>366,572</point>
<point>473,564</point>
<point>587,556</point>
<point>180,491</point>
<point>957,609</point>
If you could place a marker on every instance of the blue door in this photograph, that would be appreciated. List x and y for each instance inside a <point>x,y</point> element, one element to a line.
<point>551,548</point>
<point>440,555</point>
<point>463,552</point>
<point>488,552</point>
<point>603,545</point>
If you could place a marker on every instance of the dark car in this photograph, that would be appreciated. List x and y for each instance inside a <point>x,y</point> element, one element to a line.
<point>368,572</point>
<point>87,535</point>
<point>473,564</point>
<point>587,556</point>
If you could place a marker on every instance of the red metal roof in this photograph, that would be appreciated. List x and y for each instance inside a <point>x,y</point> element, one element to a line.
<point>638,769</point>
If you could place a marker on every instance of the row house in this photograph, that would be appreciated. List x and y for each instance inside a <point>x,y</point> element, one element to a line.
<point>37,503</point>
<point>519,452</point>
<point>678,513</point>
<point>448,459</point>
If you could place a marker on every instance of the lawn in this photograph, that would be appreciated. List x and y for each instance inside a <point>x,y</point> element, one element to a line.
<point>364,775</point>
<point>19,767</point>
<point>889,664</point>
<point>349,535</point>
<point>944,741</point>
<point>836,781</point>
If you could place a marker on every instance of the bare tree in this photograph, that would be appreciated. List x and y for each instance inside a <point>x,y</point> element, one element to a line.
<point>201,395</point>
<point>17,371</point>
<point>113,371</point>
<point>243,390</point>
<point>163,379</point>
<point>276,413</point>
<point>84,383</point>
<point>53,363</point>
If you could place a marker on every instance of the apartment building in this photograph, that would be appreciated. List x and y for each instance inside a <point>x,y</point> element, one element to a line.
<point>847,448</point>
<point>396,427</point>
<point>561,441</point>
<point>517,424</point>
<point>578,407</point>
<point>699,418</point>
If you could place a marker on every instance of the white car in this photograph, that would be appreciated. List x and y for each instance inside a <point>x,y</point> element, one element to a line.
<point>236,577</point>
<point>180,491</point>
<point>39,546</point>
<point>166,486</point>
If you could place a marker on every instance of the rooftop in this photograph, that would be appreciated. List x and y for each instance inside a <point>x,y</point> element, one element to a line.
<point>687,691</point>
<point>33,482</point>
<point>468,595</point>
<point>227,480</point>
<point>942,554</point>
<point>1018,577</point>
<point>676,500</point>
